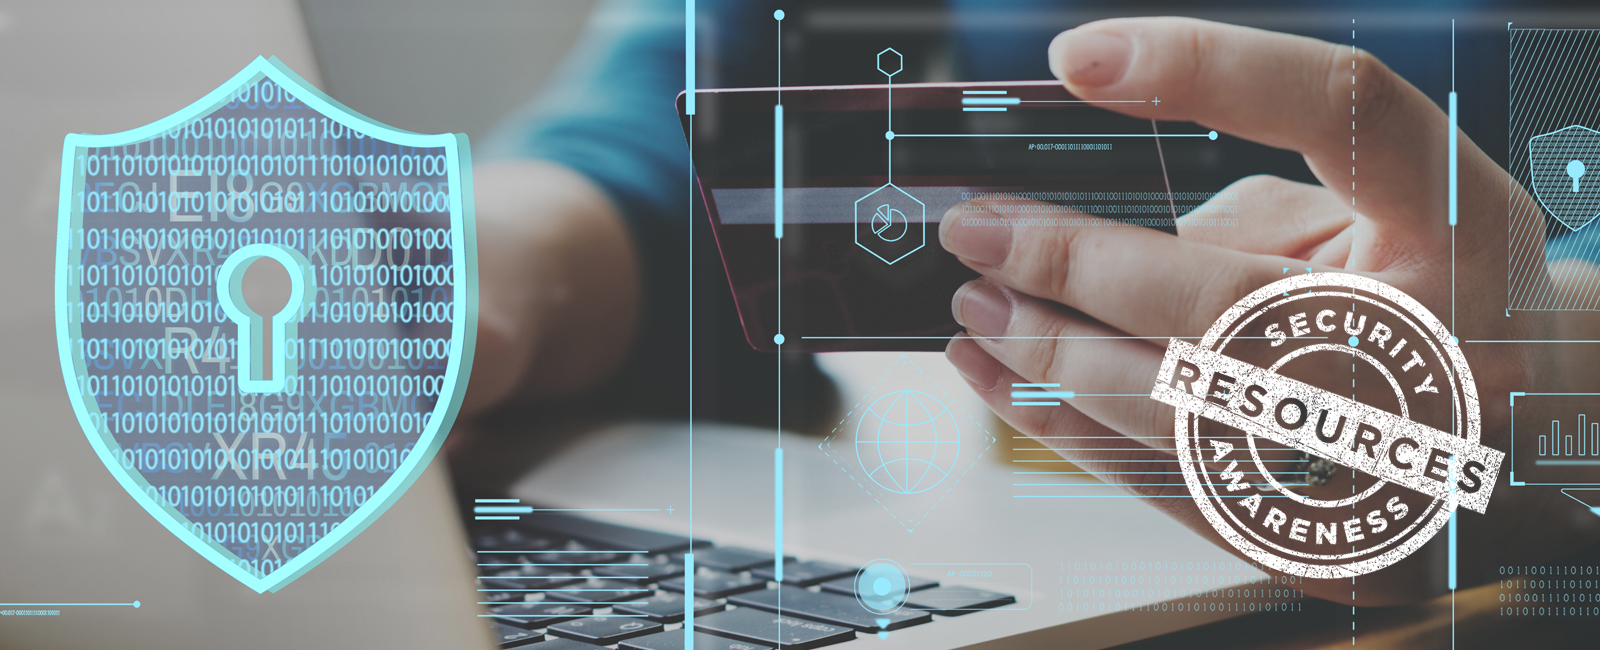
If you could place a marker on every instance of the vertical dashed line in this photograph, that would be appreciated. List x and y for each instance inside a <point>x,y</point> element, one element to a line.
<point>1352,303</point>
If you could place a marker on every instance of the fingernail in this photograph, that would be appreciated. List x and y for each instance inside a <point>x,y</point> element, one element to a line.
<point>984,244</point>
<point>973,363</point>
<point>982,308</point>
<point>1090,59</point>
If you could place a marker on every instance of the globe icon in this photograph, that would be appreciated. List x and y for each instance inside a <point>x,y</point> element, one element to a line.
<point>907,442</point>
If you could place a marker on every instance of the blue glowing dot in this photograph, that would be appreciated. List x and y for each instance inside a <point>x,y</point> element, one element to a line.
<point>1354,341</point>
<point>888,135</point>
<point>1212,135</point>
<point>777,338</point>
<point>136,604</point>
<point>1455,341</point>
<point>778,14</point>
<point>881,586</point>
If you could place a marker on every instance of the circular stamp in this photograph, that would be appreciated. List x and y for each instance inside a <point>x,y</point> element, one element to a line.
<point>1327,425</point>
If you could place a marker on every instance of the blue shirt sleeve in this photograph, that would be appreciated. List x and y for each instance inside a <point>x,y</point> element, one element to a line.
<point>609,113</point>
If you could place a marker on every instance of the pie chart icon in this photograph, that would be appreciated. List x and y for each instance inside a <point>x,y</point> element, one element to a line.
<point>884,222</point>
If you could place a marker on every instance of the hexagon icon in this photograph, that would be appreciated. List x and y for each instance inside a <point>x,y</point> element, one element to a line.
<point>890,223</point>
<point>896,61</point>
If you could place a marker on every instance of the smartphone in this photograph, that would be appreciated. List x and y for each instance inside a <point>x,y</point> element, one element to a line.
<point>869,172</point>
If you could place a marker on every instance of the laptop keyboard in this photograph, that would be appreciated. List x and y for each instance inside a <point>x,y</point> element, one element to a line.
<point>564,582</point>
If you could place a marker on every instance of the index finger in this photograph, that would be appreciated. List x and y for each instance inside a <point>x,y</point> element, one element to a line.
<point>1284,91</point>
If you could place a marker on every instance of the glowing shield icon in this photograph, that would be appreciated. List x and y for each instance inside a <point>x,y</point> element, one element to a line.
<point>266,437</point>
<point>1557,162</point>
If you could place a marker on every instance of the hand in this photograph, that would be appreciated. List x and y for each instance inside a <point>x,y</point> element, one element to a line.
<point>1287,92</point>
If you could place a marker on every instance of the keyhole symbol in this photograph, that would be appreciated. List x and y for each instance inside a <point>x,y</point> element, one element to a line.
<point>264,366</point>
<point>1575,170</point>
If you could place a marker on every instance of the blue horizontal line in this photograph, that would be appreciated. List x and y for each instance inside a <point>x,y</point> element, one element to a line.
<point>554,615</point>
<point>1036,385</point>
<point>561,578</point>
<point>1566,462</point>
<point>1497,340</point>
<point>990,101</point>
<point>588,564</point>
<point>1054,135</point>
<point>619,589</point>
<point>526,509</point>
<point>543,552</point>
<point>573,578</point>
<point>1052,449</point>
<point>1081,101</point>
<point>1117,484</point>
<point>552,602</point>
<point>1077,438</point>
<point>497,500</point>
<point>1043,394</point>
<point>977,110</point>
<point>983,92</point>
<point>1042,337</point>
<point>968,564</point>
<point>66,604</point>
<point>1136,496</point>
<point>1131,461</point>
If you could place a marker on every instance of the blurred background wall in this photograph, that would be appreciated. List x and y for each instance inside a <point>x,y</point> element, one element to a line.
<point>436,67</point>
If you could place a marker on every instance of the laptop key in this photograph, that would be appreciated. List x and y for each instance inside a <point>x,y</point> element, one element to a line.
<point>715,584</point>
<point>732,560</point>
<point>565,644</point>
<point>667,607</point>
<point>605,630</point>
<point>595,590</point>
<point>847,585</point>
<point>516,540</point>
<point>746,624</point>
<point>829,608</point>
<point>804,574</point>
<point>498,597</point>
<point>952,600</point>
<point>614,538</point>
<point>575,554</point>
<point>639,571</point>
<point>511,637</point>
<point>528,577</point>
<point>532,615</point>
<point>673,640</point>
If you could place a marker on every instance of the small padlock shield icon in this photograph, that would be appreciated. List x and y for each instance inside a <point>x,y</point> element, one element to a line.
<point>1564,169</point>
<point>265,439</point>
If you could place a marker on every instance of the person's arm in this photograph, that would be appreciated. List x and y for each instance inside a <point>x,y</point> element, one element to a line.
<point>558,283</point>
<point>580,193</point>
<point>1119,283</point>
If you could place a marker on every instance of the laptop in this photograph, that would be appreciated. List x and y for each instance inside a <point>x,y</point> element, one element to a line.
<point>986,568</point>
